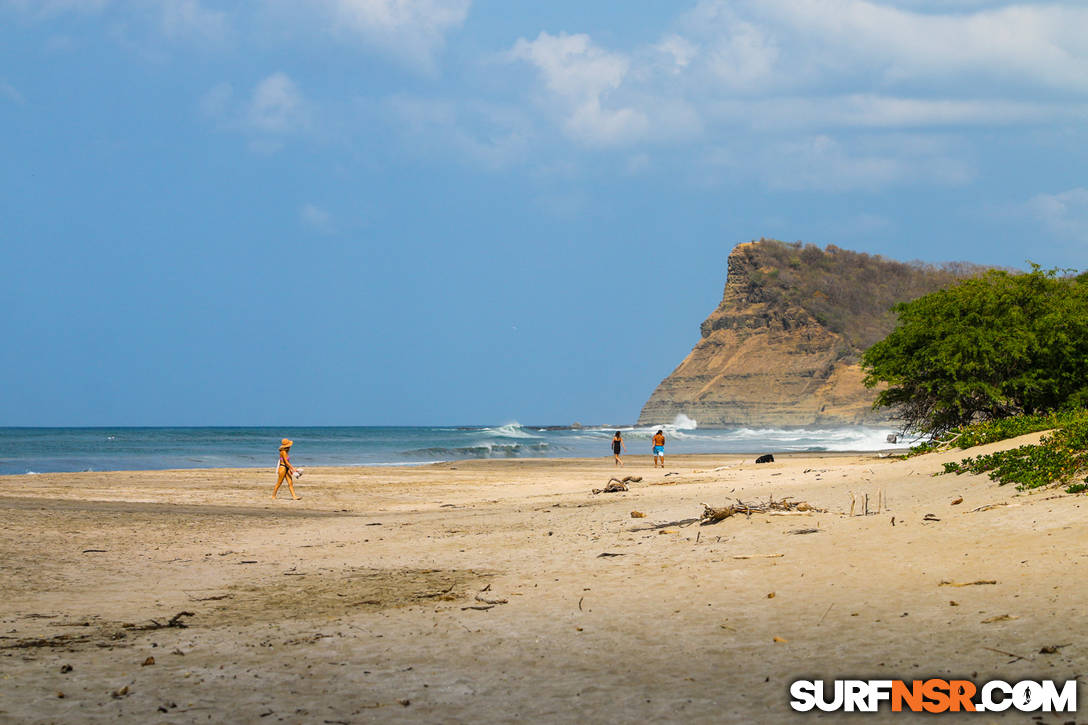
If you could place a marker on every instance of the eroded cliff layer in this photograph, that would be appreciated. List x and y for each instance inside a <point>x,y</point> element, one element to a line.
<point>782,348</point>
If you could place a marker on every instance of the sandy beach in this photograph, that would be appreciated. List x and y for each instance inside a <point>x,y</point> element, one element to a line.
<point>502,591</point>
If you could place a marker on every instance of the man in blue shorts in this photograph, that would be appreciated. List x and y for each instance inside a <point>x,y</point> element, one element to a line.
<point>659,449</point>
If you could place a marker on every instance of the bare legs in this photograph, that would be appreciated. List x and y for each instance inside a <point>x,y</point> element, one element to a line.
<point>284,473</point>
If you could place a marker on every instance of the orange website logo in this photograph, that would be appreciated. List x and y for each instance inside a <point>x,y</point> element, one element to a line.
<point>933,696</point>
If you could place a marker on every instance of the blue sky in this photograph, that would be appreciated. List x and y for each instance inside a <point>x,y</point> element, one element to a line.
<point>367,212</point>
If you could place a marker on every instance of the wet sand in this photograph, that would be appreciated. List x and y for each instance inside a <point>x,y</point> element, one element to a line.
<point>497,591</point>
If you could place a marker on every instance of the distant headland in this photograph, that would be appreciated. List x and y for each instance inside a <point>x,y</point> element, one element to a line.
<point>782,348</point>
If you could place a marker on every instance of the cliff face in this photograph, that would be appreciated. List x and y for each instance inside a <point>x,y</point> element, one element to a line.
<point>782,348</point>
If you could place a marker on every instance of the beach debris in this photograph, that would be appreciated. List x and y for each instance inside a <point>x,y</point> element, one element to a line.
<point>1007,654</point>
<point>765,458</point>
<point>829,606</point>
<point>613,487</point>
<point>607,554</point>
<point>987,507</point>
<point>804,531</point>
<point>953,603</point>
<point>930,517</point>
<point>999,618</point>
<point>957,502</point>
<point>712,514</point>
<point>65,669</point>
<point>580,600</point>
<point>893,521</point>
<point>947,583</point>
<point>770,595</point>
<point>436,595</point>
<point>480,598</point>
<point>1053,648</point>
<point>881,503</point>
<point>637,515</point>
<point>758,556</point>
<point>149,661</point>
<point>174,621</point>
<point>119,693</point>
<point>479,608</point>
<point>94,551</point>
<point>780,639</point>
<point>616,485</point>
<point>671,473</point>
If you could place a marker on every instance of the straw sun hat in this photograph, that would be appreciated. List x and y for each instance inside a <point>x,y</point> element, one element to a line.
<point>285,443</point>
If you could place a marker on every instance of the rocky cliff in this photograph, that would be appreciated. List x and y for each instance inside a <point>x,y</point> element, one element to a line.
<point>782,348</point>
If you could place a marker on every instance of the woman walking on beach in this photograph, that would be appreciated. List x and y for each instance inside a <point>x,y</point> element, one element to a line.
<point>659,449</point>
<point>285,469</point>
<point>617,446</point>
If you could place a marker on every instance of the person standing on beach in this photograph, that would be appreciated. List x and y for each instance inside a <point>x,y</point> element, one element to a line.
<point>617,446</point>
<point>285,470</point>
<point>659,449</point>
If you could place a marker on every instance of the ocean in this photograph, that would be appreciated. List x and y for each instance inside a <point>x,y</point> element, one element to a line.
<point>50,450</point>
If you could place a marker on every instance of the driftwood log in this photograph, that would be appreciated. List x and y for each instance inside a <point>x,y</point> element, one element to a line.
<point>616,484</point>
<point>713,514</point>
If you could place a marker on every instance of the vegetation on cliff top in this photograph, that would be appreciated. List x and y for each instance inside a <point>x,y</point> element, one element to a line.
<point>850,293</point>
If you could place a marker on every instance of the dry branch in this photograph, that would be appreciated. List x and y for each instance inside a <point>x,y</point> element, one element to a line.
<point>713,514</point>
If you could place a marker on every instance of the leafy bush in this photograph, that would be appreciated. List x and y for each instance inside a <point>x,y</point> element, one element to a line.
<point>985,348</point>
<point>999,429</point>
<point>1058,458</point>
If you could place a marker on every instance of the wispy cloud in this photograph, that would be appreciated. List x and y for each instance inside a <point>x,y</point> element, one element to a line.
<point>43,9</point>
<point>411,31</point>
<point>316,218</point>
<point>277,106</point>
<point>11,93</point>
<point>273,111</point>
<point>1064,214</point>
<point>486,135</point>
<point>189,19</point>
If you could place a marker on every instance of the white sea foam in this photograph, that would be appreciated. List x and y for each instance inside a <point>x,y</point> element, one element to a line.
<point>683,422</point>
<point>510,430</point>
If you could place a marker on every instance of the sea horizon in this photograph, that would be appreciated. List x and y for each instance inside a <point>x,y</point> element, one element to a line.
<point>67,449</point>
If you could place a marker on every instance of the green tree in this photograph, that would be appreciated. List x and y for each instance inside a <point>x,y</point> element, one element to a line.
<point>985,348</point>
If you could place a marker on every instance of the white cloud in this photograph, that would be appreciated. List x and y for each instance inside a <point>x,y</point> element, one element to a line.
<point>277,106</point>
<point>1065,214</point>
<point>824,163</point>
<point>413,31</point>
<point>802,42</point>
<point>11,93</point>
<point>43,9</point>
<point>794,92</point>
<point>317,218</point>
<point>865,110</point>
<point>491,136</point>
<point>215,104</point>
<point>680,51</point>
<point>187,18</point>
<point>274,111</point>
<point>579,76</point>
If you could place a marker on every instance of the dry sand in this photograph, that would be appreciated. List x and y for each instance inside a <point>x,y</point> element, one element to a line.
<point>504,590</point>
